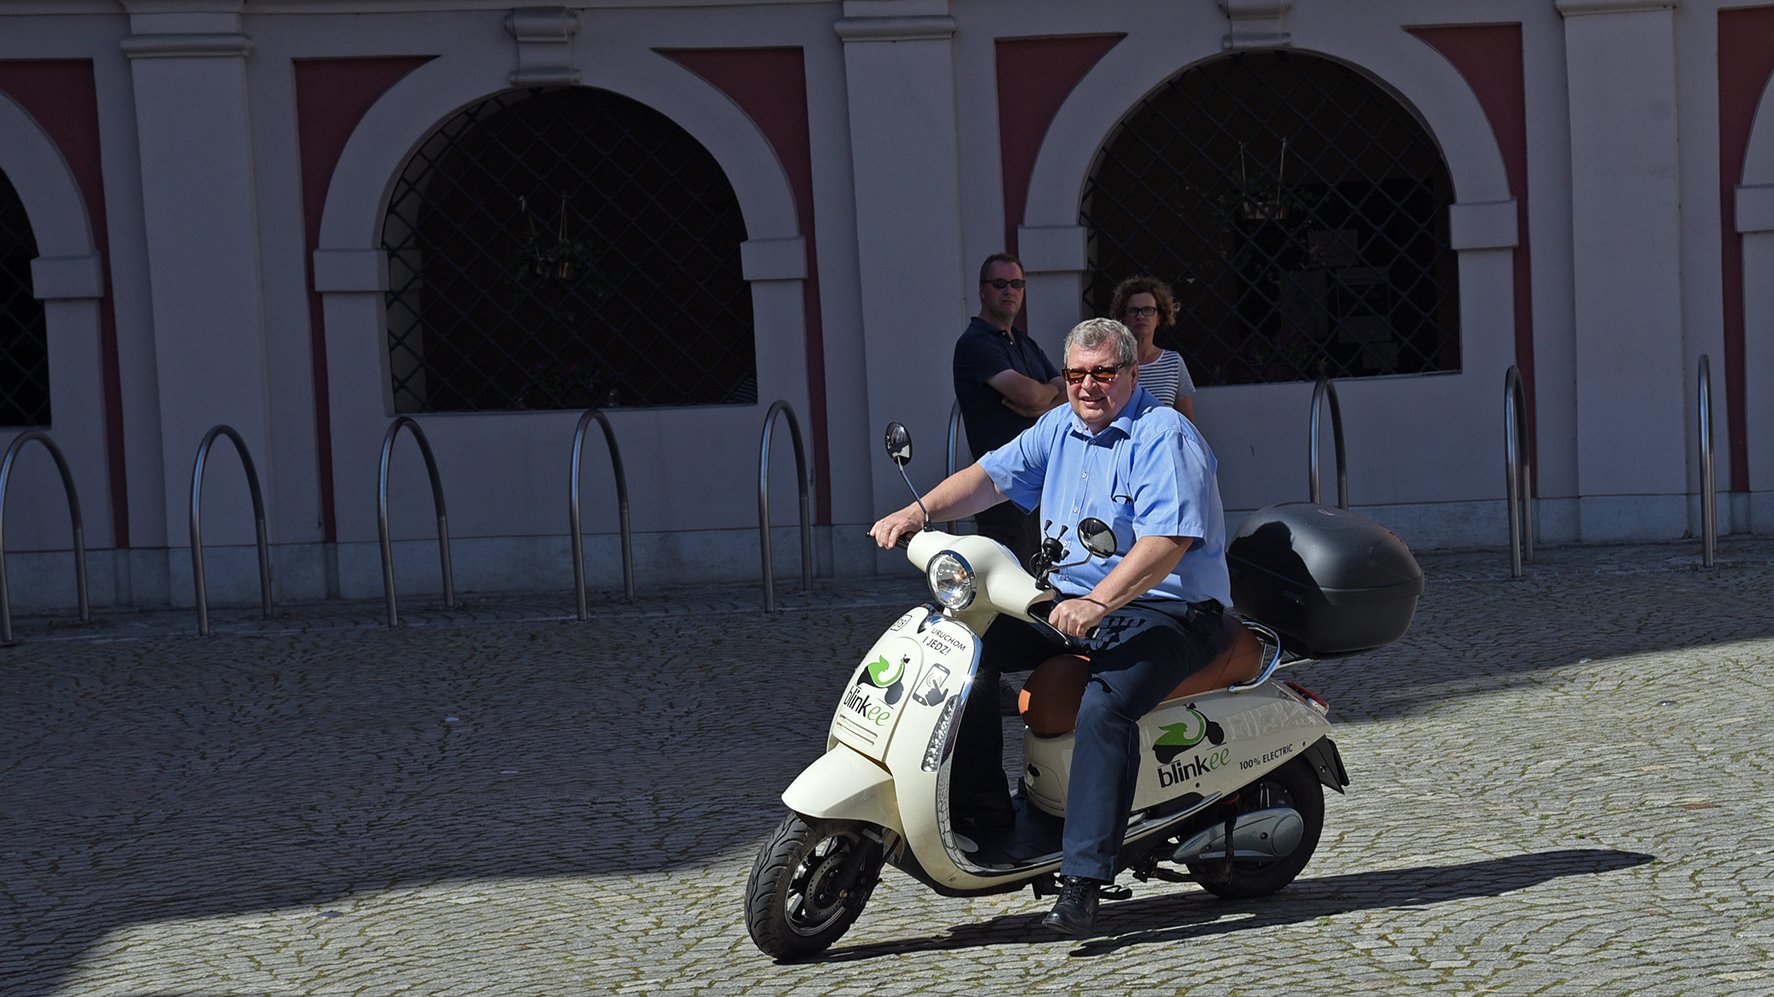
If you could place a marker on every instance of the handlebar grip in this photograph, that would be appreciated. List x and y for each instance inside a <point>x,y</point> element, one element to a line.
<point>1073,644</point>
<point>904,541</point>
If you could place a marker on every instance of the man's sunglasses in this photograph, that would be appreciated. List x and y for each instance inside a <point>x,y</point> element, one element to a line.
<point>1100,375</point>
<point>1000,283</point>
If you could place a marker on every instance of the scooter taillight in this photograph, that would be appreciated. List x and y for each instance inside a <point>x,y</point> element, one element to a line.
<point>1311,697</point>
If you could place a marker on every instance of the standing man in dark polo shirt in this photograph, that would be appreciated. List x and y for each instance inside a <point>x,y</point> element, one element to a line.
<point>1003,382</point>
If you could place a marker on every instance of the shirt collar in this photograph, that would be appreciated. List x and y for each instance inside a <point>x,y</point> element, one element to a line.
<point>1140,401</point>
<point>1011,332</point>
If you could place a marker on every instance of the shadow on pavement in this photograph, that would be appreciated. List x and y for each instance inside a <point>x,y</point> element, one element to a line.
<point>1178,917</point>
<point>179,779</point>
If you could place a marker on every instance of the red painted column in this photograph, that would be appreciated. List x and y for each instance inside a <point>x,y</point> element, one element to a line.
<point>1489,58</point>
<point>332,96</point>
<point>770,86</point>
<point>1746,62</point>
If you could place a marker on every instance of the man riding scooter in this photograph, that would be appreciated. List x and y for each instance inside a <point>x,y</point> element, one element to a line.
<point>1151,612</point>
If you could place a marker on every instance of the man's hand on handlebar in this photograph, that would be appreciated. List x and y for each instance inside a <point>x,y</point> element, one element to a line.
<point>891,528</point>
<point>1077,617</point>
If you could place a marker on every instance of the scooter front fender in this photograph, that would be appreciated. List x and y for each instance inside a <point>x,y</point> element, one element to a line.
<point>842,784</point>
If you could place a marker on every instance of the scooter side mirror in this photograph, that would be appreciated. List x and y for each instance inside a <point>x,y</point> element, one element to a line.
<point>899,444</point>
<point>1097,537</point>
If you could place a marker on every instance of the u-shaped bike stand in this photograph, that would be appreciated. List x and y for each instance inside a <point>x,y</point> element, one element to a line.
<point>1709,495</point>
<point>1325,388</point>
<point>577,529</point>
<point>61,465</point>
<point>794,435</point>
<point>252,483</point>
<point>1518,475</point>
<point>437,498</point>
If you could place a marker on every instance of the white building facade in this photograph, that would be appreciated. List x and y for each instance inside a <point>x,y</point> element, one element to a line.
<point>304,219</point>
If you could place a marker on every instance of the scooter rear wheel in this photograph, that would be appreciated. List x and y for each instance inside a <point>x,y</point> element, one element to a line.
<point>1292,785</point>
<point>809,884</point>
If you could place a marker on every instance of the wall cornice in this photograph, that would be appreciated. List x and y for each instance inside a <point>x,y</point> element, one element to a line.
<point>1576,8</point>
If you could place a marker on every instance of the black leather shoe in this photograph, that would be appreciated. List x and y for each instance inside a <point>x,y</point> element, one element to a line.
<point>1075,912</point>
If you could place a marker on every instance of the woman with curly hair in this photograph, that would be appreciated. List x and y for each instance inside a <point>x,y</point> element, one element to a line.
<point>1145,305</point>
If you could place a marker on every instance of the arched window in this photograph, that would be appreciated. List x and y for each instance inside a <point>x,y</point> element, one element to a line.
<point>1300,213</point>
<point>565,248</point>
<point>24,340</point>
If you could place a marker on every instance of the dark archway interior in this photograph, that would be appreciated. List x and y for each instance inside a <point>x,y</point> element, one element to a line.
<point>565,248</point>
<point>1298,210</point>
<point>24,340</point>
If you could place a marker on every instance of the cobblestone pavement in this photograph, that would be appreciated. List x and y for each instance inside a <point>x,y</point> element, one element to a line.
<point>1560,786</point>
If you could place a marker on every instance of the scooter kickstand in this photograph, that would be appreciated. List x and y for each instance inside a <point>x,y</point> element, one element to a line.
<point>1045,886</point>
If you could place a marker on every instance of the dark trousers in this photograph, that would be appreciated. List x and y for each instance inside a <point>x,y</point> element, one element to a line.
<point>1012,527</point>
<point>1142,655</point>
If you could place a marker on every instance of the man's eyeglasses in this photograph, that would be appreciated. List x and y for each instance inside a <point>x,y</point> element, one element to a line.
<point>1100,375</point>
<point>1142,311</point>
<point>1000,283</point>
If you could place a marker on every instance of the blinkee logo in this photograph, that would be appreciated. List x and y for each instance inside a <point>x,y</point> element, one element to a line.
<point>885,675</point>
<point>1185,736</point>
<point>1180,737</point>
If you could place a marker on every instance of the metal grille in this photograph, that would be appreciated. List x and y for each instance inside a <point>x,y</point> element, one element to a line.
<point>24,341</point>
<point>1299,212</point>
<point>565,248</point>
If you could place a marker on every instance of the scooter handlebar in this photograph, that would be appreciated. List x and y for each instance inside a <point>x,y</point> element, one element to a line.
<point>1076,645</point>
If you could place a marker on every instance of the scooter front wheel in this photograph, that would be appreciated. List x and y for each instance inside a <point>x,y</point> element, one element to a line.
<point>809,885</point>
<point>1292,785</point>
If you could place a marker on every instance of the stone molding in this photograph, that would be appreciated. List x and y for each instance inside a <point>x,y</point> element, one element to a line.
<point>773,259</point>
<point>204,46</point>
<point>65,278</point>
<point>1256,23</point>
<point>1053,248</point>
<point>544,37</point>
<point>361,271</point>
<point>896,29</point>
<point>1577,8</point>
<point>1483,225</point>
<point>1755,208</point>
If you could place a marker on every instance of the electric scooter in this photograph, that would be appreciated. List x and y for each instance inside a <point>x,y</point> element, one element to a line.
<point>1229,793</point>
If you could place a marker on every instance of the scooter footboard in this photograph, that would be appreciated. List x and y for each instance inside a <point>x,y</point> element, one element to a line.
<point>842,784</point>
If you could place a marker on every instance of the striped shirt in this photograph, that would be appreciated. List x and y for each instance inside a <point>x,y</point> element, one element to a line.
<point>1167,377</point>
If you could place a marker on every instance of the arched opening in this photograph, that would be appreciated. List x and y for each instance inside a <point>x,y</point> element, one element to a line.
<point>24,338</point>
<point>562,248</point>
<point>1299,211</point>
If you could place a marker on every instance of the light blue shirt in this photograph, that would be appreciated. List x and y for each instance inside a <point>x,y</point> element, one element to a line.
<point>1148,473</point>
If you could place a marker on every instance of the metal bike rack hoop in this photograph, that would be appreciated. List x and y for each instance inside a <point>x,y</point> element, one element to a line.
<point>73,495</point>
<point>1325,388</point>
<point>1709,513</point>
<point>794,435</point>
<point>437,498</point>
<point>198,580</point>
<point>1518,475</point>
<point>573,518</point>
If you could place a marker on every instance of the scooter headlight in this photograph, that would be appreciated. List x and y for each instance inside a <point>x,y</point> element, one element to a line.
<point>951,580</point>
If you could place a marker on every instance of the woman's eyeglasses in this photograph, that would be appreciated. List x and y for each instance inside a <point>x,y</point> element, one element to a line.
<point>1143,311</point>
<point>1100,375</point>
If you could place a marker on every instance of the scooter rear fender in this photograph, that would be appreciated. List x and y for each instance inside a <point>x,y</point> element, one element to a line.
<point>842,784</point>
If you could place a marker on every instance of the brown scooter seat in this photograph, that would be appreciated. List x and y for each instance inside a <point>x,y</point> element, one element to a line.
<point>1050,698</point>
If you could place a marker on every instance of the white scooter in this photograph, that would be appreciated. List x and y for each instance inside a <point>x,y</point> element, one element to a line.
<point>1230,789</point>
